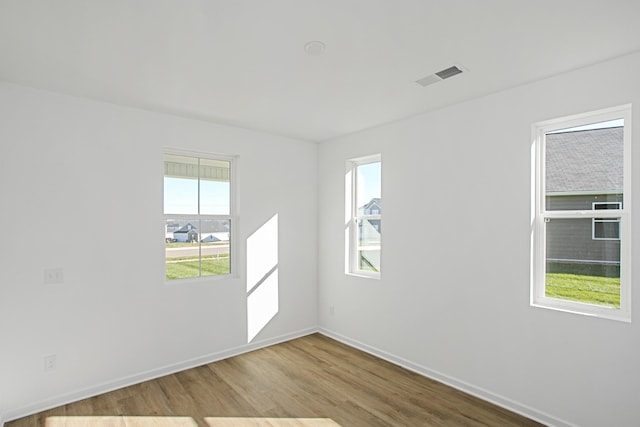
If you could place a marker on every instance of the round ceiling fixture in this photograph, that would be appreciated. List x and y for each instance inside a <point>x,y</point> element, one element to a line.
<point>315,47</point>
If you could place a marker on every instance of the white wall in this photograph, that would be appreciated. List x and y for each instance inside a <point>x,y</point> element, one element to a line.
<point>453,301</point>
<point>76,178</point>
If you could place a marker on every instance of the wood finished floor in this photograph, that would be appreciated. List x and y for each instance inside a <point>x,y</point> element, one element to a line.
<point>312,381</point>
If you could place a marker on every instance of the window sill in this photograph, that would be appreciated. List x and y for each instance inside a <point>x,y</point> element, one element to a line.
<point>362,275</point>
<point>202,279</point>
<point>584,309</point>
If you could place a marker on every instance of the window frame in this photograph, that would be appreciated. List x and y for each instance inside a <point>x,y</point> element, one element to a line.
<point>353,218</point>
<point>539,215</point>
<point>231,217</point>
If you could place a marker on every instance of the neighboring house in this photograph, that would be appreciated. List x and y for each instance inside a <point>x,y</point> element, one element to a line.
<point>209,238</point>
<point>580,176</point>
<point>216,230</point>
<point>373,207</point>
<point>170,228</point>
<point>369,232</point>
<point>215,237</point>
<point>187,233</point>
<point>210,231</point>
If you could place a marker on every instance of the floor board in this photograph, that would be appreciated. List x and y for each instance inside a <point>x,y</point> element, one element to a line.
<point>312,381</point>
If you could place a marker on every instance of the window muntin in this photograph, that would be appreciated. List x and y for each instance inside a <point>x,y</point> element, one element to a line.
<point>198,216</point>
<point>580,251</point>
<point>365,224</point>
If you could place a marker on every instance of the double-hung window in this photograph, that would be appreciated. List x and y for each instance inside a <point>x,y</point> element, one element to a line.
<point>581,213</point>
<point>198,215</point>
<point>364,215</point>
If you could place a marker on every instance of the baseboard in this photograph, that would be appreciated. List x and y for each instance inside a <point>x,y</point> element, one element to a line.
<point>478,392</point>
<point>108,386</point>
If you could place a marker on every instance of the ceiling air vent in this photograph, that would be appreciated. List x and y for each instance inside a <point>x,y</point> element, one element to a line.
<point>440,75</point>
<point>449,72</point>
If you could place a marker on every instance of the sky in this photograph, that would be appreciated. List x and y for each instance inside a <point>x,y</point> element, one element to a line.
<point>369,182</point>
<point>181,197</point>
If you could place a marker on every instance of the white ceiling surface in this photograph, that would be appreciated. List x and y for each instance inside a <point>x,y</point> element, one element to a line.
<point>242,62</point>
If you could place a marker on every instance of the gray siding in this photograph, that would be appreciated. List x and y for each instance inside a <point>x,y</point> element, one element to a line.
<point>570,239</point>
<point>579,202</point>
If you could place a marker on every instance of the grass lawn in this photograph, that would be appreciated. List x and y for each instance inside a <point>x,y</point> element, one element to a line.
<point>182,268</point>
<point>588,289</point>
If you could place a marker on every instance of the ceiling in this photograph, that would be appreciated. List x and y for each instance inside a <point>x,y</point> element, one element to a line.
<point>243,63</point>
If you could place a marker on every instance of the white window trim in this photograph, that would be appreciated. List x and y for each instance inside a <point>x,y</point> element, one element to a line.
<point>232,217</point>
<point>351,194</point>
<point>539,215</point>
<point>600,220</point>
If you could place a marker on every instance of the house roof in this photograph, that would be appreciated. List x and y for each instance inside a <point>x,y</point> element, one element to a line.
<point>186,228</point>
<point>374,201</point>
<point>584,161</point>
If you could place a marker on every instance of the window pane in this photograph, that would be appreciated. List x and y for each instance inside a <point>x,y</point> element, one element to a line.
<point>196,248</point>
<point>369,244</point>
<point>180,185</point>
<point>215,187</point>
<point>369,184</point>
<point>182,251</point>
<point>608,228</point>
<point>214,240</point>
<point>583,166</point>
<point>579,268</point>
<point>606,205</point>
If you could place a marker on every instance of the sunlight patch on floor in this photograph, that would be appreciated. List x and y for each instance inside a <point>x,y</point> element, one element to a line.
<point>125,421</point>
<point>120,421</point>
<point>270,422</point>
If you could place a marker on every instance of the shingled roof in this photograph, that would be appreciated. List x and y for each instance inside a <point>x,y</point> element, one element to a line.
<point>585,161</point>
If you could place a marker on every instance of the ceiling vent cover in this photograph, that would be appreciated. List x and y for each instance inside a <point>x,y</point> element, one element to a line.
<point>449,72</point>
<point>440,75</point>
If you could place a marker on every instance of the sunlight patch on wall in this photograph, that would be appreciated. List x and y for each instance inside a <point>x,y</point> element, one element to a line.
<point>262,277</point>
<point>262,305</point>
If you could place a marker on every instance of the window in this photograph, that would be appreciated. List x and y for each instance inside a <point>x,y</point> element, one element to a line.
<point>606,228</point>
<point>364,219</point>
<point>198,216</point>
<point>580,237</point>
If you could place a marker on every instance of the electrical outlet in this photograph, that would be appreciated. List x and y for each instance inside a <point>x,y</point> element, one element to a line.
<point>50,363</point>
<point>53,276</point>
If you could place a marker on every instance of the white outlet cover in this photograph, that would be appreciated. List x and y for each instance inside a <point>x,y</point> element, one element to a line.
<point>53,276</point>
<point>50,363</point>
